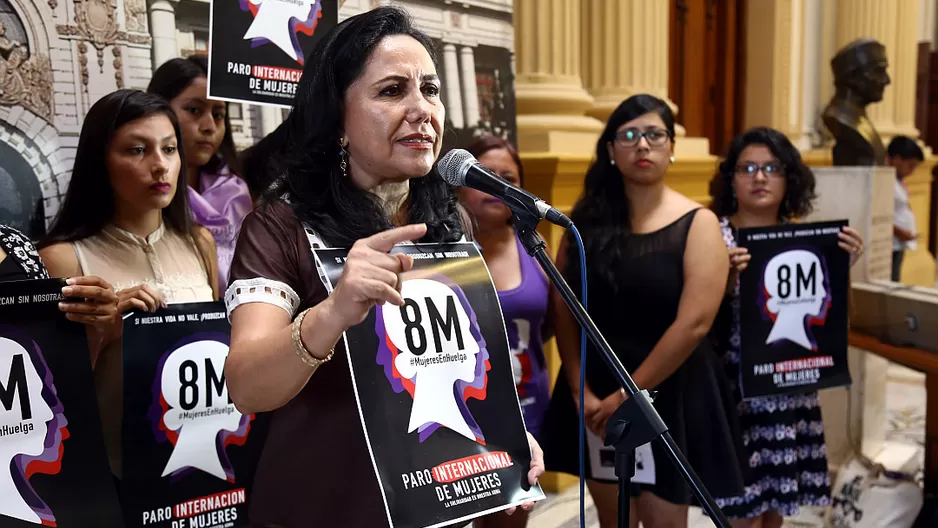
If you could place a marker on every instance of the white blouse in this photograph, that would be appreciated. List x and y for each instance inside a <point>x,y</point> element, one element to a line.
<point>166,261</point>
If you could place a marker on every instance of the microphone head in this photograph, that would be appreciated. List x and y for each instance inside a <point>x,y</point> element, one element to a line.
<point>454,165</point>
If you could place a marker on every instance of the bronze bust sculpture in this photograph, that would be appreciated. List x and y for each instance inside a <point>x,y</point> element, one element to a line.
<point>860,78</point>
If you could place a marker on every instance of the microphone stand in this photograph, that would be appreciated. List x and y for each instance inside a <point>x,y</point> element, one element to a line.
<point>635,422</point>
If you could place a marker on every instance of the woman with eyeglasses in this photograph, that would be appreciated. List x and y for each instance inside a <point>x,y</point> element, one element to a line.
<point>763,182</point>
<point>656,271</point>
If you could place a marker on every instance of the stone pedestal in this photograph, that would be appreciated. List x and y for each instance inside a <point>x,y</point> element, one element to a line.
<point>842,194</point>
<point>854,417</point>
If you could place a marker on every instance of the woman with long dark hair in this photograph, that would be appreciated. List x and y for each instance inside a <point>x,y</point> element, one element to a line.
<point>217,195</point>
<point>364,135</point>
<point>763,182</point>
<point>522,288</point>
<point>656,270</point>
<point>125,218</point>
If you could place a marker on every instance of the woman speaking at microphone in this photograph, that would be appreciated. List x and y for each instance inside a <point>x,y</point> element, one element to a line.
<point>365,131</point>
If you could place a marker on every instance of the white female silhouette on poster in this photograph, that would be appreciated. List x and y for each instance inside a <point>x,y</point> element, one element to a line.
<point>796,296</point>
<point>793,309</point>
<point>437,354</point>
<point>32,429</point>
<point>199,423</point>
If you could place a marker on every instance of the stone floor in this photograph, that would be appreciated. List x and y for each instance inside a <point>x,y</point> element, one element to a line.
<point>905,401</point>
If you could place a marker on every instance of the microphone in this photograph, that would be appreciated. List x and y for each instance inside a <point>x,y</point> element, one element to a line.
<point>460,169</point>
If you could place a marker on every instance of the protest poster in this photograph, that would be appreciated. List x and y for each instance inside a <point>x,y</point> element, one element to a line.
<point>435,392</point>
<point>188,454</point>
<point>53,465</point>
<point>793,309</point>
<point>257,48</point>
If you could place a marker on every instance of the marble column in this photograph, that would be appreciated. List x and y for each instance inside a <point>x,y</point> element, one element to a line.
<point>470,90</point>
<point>271,118</point>
<point>163,31</point>
<point>927,12</point>
<point>453,94</point>
<point>625,51</point>
<point>905,67</point>
<point>775,44</point>
<point>894,24</point>
<point>550,98</point>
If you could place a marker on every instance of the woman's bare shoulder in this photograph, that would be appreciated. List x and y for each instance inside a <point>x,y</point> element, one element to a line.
<point>60,260</point>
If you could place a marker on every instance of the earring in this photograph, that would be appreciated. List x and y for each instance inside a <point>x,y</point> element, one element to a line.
<point>672,159</point>
<point>612,162</point>
<point>343,157</point>
<point>733,203</point>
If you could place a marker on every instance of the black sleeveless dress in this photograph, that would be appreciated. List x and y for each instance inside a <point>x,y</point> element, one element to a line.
<point>696,402</point>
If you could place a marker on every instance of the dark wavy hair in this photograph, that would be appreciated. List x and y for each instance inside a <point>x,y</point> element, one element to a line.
<point>89,203</point>
<point>321,196</point>
<point>799,180</point>
<point>601,214</point>
<point>174,76</point>
<point>261,162</point>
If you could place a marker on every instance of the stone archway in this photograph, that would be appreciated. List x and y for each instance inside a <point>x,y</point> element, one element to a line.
<point>21,201</point>
<point>28,183</point>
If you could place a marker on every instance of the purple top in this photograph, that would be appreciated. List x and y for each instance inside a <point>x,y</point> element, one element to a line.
<point>525,309</point>
<point>220,206</point>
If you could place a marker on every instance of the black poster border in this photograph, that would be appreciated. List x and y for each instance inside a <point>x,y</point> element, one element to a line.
<point>475,253</point>
<point>268,52</point>
<point>837,272</point>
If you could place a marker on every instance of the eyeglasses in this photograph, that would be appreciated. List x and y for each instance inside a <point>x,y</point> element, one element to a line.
<point>631,136</point>
<point>770,170</point>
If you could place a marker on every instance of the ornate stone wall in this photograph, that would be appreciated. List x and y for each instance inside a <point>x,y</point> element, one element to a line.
<point>57,57</point>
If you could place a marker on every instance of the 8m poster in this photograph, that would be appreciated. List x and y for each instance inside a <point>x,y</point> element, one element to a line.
<point>53,466</point>
<point>793,309</point>
<point>188,453</point>
<point>258,48</point>
<point>435,391</point>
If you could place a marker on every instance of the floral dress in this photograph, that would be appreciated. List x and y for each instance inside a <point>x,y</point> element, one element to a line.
<point>783,434</point>
<point>22,261</point>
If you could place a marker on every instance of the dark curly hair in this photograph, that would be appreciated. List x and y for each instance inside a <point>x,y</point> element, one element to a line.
<point>601,214</point>
<point>799,179</point>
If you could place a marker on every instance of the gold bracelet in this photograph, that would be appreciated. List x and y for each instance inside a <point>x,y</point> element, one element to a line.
<point>300,349</point>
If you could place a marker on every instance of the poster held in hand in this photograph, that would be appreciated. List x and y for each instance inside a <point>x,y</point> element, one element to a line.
<point>188,454</point>
<point>435,392</point>
<point>53,465</point>
<point>793,309</point>
<point>257,48</point>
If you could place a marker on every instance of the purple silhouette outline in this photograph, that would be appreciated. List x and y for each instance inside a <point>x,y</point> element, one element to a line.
<point>762,298</point>
<point>384,358</point>
<point>53,440</point>
<point>155,413</point>
<point>314,10</point>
